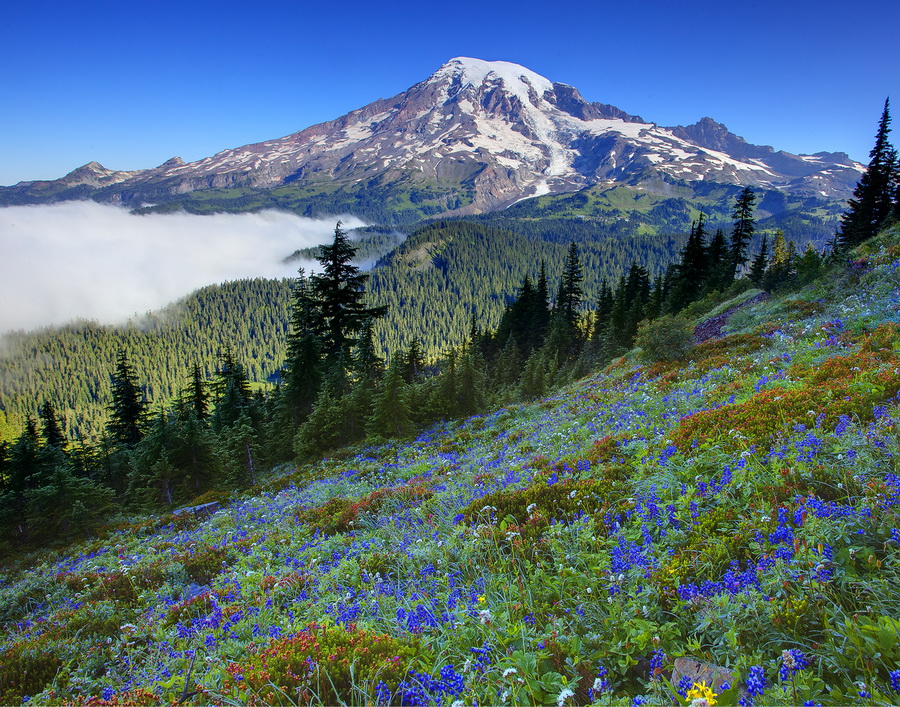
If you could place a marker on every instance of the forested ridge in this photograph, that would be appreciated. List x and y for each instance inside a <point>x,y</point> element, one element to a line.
<point>71,366</point>
<point>432,284</point>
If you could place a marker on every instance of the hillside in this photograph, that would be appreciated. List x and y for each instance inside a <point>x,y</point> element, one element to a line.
<point>737,508</point>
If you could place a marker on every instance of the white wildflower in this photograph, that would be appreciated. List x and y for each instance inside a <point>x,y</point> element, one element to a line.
<point>509,671</point>
<point>564,695</point>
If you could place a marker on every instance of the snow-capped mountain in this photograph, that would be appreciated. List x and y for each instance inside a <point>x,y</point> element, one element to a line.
<point>497,128</point>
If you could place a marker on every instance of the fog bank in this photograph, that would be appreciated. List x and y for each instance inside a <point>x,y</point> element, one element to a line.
<point>80,259</point>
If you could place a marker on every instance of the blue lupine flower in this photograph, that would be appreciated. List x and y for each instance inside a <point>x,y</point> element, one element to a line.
<point>792,661</point>
<point>895,680</point>
<point>755,685</point>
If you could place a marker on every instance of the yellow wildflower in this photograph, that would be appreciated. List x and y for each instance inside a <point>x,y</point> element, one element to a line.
<point>701,695</point>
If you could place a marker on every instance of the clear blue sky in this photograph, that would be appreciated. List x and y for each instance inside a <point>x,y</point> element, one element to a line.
<point>131,84</point>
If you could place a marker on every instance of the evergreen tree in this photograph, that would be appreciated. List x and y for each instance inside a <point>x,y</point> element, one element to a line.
<point>128,409</point>
<point>782,267</point>
<point>538,317</point>
<point>628,308</point>
<point>604,309</point>
<point>176,461</point>
<point>391,413</point>
<point>27,467</point>
<point>508,365</point>
<point>872,199</point>
<point>51,428</point>
<point>809,265</point>
<point>233,394</point>
<point>65,506</point>
<point>570,290</point>
<point>743,228</point>
<point>303,370</point>
<point>515,323</point>
<point>413,362</point>
<point>470,383</point>
<point>691,272</point>
<point>657,299</point>
<point>339,292</point>
<point>719,271</point>
<point>194,399</point>
<point>368,365</point>
<point>602,316</point>
<point>153,479</point>
<point>240,453</point>
<point>324,427</point>
<point>443,398</point>
<point>760,263</point>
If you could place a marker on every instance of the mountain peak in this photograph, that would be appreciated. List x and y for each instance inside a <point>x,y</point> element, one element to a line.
<point>475,72</point>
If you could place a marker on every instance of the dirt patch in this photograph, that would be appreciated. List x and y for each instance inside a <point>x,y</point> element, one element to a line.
<point>712,328</point>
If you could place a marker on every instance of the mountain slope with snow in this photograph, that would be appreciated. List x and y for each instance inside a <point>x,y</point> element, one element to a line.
<point>496,132</point>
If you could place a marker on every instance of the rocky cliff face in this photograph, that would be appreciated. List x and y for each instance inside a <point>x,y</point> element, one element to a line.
<point>504,132</point>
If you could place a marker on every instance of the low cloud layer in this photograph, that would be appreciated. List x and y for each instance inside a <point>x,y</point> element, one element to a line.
<point>94,261</point>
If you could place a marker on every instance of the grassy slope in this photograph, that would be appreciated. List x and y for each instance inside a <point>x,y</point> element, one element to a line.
<point>729,507</point>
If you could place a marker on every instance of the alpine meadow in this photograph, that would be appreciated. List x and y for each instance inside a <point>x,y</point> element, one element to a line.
<point>590,411</point>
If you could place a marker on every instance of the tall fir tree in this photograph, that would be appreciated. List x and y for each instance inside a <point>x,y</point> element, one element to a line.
<point>51,426</point>
<point>339,293</point>
<point>743,228</point>
<point>367,364</point>
<point>781,270</point>
<point>128,408</point>
<point>413,362</point>
<point>194,398</point>
<point>690,273</point>
<point>233,394</point>
<point>570,287</point>
<point>760,262</point>
<point>323,429</point>
<point>391,413</point>
<point>601,316</point>
<point>240,453</point>
<point>539,315</point>
<point>875,192</point>
<point>719,271</point>
<point>303,369</point>
<point>514,323</point>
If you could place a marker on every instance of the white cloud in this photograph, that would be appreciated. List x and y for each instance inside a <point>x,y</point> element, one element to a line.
<point>80,259</point>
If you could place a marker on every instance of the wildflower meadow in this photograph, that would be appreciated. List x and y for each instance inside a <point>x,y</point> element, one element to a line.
<point>738,507</point>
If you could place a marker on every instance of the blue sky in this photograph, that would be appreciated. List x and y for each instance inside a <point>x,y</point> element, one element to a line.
<point>132,84</point>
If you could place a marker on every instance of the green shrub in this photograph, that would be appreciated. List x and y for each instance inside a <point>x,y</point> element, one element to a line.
<point>26,668</point>
<point>665,338</point>
<point>323,665</point>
